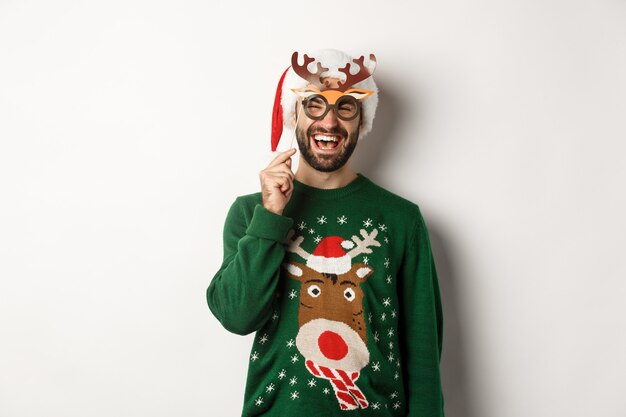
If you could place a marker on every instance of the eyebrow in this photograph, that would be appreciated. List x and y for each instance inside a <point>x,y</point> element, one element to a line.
<point>313,280</point>
<point>347,282</point>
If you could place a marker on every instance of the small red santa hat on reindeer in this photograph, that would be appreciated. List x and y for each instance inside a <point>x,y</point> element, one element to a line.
<point>330,256</point>
<point>332,63</point>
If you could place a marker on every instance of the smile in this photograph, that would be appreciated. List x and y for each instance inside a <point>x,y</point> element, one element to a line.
<point>326,142</point>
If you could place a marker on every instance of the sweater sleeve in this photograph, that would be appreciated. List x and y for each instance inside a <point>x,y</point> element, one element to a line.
<point>422,326</point>
<point>242,291</point>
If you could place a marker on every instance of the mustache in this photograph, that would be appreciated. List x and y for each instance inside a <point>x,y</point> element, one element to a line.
<point>335,131</point>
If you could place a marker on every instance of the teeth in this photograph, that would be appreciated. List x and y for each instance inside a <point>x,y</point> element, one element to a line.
<point>325,138</point>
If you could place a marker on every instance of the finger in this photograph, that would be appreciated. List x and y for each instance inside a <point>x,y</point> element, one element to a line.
<point>276,180</point>
<point>288,193</point>
<point>282,157</point>
<point>280,180</point>
<point>286,186</point>
<point>280,169</point>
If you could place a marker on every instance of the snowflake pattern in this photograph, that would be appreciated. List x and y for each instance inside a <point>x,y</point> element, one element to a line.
<point>291,343</point>
<point>270,388</point>
<point>396,375</point>
<point>263,339</point>
<point>294,358</point>
<point>318,239</point>
<point>375,406</point>
<point>393,395</point>
<point>386,239</point>
<point>376,366</point>
<point>383,317</point>
<point>321,220</point>
<point>258,401</point>
<point>293,294</point>
<point>382,227</point>
<point>366,260</point>
<point>387,301</point>
<point>311,383</point>
<point>390,332</point>
<point>342,220</point>
<point>326,391</point>
<point>294,395</point>
<point>293,381</point>
<point>302,226</point>
<point>387,262</point>
<point>393,313</point>
<point>367,223</point>
<point>274,316</point>
<point>396,405</point>
<point>282,374</point>
<point>376,336</point>
<point>254,356</point>
<point>311,231</point>
<point>389,279</point>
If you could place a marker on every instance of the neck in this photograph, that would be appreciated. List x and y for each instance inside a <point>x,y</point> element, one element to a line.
<point>324,180</point>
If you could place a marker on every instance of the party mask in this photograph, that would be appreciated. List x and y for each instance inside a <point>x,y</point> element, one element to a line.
<point>319,98</point>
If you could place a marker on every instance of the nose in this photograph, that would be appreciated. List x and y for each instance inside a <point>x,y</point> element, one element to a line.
<point>330,119</point>
<point>332,345</point>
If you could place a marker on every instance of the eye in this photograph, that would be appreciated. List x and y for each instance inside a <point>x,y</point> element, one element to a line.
<point>314,291</point>
<point>316,102</point>
<point>347,106</point>
<point>349,294</point>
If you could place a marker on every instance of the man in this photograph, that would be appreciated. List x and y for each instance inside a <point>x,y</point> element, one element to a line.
<point>334,273</point>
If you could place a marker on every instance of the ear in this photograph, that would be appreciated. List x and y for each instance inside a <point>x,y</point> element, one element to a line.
<point>305,92</point>
<point>295,270</point>
<point>362,272</point>
<point>358,93</point>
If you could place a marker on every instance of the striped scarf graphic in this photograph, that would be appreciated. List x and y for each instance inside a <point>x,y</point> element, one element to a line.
<point>348,394</point>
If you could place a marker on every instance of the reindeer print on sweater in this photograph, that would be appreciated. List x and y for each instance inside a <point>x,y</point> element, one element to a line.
<point>332,333</point>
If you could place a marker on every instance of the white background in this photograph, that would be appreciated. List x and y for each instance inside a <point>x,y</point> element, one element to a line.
<point>127,128</point>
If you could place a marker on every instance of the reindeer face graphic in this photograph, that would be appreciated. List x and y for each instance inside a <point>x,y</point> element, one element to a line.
<point>332,333</point>
<point>331,319</point>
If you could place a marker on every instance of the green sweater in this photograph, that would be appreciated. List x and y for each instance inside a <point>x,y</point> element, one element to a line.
<point>343,295</point>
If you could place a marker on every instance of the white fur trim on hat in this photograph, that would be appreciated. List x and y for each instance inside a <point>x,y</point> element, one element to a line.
<point>333,60</point>
<point>339,265</point>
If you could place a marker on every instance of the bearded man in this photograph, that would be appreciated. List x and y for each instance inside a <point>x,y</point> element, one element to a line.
<point>334,273</point>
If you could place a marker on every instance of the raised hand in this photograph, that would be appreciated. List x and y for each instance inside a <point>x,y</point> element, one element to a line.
<point>277,182</point>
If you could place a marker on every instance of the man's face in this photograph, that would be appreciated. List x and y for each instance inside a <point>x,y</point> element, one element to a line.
<point>326,144</point>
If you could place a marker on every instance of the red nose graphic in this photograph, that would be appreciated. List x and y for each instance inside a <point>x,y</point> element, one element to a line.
<point>332,345</point>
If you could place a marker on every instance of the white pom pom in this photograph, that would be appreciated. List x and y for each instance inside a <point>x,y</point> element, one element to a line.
<point>347,244</point>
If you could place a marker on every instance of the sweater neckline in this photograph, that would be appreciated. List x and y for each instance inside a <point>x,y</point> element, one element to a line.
<point>331,193</point>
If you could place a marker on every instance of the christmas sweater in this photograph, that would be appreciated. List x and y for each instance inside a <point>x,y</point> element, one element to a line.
<point>343,295</point>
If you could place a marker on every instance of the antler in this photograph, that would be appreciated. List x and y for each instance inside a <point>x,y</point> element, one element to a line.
<point>362,245</point>
<point>293,245</point>
<point>303,71</point>
<point>364,72</point>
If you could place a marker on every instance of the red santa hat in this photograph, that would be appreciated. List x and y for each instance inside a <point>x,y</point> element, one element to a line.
<point>284,114</point>
<point>330,256</point>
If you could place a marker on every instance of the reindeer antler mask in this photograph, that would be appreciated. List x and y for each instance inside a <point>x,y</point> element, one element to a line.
<point>310,78</point>
<point>315,78</point>
<point>322,85</point>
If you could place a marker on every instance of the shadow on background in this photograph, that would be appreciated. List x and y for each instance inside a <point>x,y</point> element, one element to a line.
<point>370,157</point>
<point>454,358</point>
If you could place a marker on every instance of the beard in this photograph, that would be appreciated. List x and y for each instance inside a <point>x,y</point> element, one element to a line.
<point>326,163</point>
